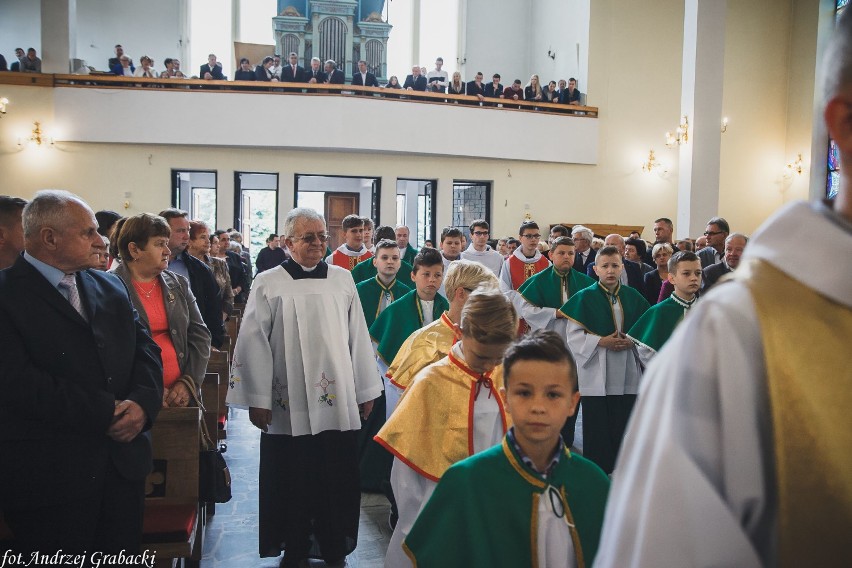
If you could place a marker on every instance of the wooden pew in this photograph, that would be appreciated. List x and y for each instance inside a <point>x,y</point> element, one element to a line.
<point>219,363</point>
<point>232,328</point>
<point>210,400</point>
<point>174,521</point>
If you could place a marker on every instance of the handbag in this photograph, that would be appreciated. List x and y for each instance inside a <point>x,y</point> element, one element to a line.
<point>214,477</point>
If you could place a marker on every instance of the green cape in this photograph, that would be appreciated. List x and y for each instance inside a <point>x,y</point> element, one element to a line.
<point>544,289</point>
<point>409,254</point>
<point>365,270</point>
<point>371,291</point>
<point>481,513</point>
<point>592,308</point>
<point>657,324</point>
<point>399,320</point>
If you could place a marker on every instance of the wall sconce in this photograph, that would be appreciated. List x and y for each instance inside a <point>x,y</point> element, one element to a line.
<point>37,137</point>
<point>724,125</point>
<point>794,168</point>
<point>680,135</point>
<point>652,164</point>
<point>3,102</point>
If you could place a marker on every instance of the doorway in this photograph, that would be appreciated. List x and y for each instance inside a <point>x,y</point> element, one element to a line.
<point>194,191</point>
<point>471,201</point>
<point>416,208</point>
<point>255,208</point>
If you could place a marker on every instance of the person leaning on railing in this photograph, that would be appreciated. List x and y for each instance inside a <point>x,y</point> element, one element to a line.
<point>165,304</point>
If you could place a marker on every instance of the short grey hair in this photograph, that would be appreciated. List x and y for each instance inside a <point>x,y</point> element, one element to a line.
<point>49,208</point>
<point>585,231</point>
<point>735,235</point>
<point>332,63</point>
<point>317,59</point>
<point>616,235</point>
<point>661,246</point>
<point>296,215</point>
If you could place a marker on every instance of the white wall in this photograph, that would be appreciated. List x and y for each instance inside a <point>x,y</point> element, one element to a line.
<point>496,39</point>
<point>101,25</point>
<point>562,27</point>
<point>20,26</point>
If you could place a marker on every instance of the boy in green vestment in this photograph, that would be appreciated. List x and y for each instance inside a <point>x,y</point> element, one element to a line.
<point>539,298</point>
<point>401,318</point>
<point>528,501</point>
<point>656,325</point>
<point>365,269</point>
<point>378,292</point>
<point>597,318</point>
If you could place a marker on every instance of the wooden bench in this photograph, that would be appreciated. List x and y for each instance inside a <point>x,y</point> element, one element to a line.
<point>219,363</point>
<point>232,328</point>
<point>174,521</point>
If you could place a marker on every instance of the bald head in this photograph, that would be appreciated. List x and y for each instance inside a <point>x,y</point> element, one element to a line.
<point>616,241</point>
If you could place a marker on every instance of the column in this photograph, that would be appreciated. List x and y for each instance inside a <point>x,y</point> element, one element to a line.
<point>701,103</point>
<point>58,35</point>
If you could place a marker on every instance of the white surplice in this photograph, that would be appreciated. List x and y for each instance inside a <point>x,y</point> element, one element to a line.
<point>695,482</point>
<point>304,351</point>
<point>489,257</point>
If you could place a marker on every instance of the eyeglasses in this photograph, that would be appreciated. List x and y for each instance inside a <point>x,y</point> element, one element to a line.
<point>711,233</point>
<point>311,237</point>
<point>535,236</point>
<point>481,233</point>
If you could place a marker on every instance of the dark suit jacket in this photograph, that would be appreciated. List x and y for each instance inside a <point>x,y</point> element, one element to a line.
<point>287,75</point>
<point>216,72</point>
<point>206,292</point>
<point>371,80</point>
<point>473,89</point>
<point>707,256</point>
<point>490,91</point>
<point>260,74</point>
<point>418,85</point>
<point>653,283</point>
<point>712,273</point>
<point>60,377</point>
<point>320,76</point>
<point>635,277</point>
<point>336,77</point>
<point>584,266</point>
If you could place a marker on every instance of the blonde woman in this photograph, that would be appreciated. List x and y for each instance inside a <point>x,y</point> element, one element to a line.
<point>532,92</point>
<point>456,86</point>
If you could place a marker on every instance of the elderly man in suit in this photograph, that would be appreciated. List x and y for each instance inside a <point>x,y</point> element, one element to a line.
<point>82,381</point>
<point>212,70</point>
<point>584,254</point>
<point>315,74</point>
<point>734,247</point>
<point>416,81</point>
<point>333,75</point>
<point>717,232</point>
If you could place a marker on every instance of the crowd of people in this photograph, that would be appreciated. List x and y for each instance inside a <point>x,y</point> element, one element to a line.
<point>271,69</point>
<point>495,399</point>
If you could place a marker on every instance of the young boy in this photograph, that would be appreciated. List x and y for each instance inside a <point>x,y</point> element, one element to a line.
<point>352,251</point>
<point>369,226</point>
<point>379,292</point>
<point>450,411</point>
<point>596,320</point>
<point>479,249</point>
<point>539,298</point>
<point>404,316</point>
<point>431,343</point>
<point>452,241</point>
<point>525,261</point>
<point>366,269</point>
<point>528,501</point>
<point>656,325</point>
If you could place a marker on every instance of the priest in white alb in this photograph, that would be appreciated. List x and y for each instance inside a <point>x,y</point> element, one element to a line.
<point>304,367</point>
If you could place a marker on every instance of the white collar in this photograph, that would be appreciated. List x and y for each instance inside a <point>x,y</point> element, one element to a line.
<point>520,256</point>
<point>776,242</point>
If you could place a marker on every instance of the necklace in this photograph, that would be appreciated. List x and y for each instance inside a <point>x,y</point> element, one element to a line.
<point>146,293</point>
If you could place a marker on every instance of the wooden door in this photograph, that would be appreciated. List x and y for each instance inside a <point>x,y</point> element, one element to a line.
<point>338,206</point>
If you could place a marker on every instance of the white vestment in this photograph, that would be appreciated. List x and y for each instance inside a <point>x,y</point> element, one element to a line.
<point>695,482</point>
<point>304,351</point>
<point>492,259</point>
<point>347,251</point>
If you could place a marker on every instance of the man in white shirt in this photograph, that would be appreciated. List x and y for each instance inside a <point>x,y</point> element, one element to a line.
<point>437,78</point>
<point>479,250</point>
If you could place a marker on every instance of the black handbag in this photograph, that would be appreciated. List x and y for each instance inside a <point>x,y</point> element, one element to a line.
<point>214,477</point>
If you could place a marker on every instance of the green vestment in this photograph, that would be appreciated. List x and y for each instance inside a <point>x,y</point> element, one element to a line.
<point>656,325</point>
<point>365,270</point>
<point>409,254</point>
<point>592,308</point>
<point>484,511</point>
<point>399,320</point>
<point>371,292</point>
<point>544,289</point>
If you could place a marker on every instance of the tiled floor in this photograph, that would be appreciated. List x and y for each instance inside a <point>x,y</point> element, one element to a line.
<point>231,539</point>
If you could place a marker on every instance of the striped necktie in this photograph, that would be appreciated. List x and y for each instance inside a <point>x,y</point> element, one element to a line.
<point>69,282</point>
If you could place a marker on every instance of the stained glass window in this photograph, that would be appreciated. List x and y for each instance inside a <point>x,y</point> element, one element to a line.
<point>832,183</point>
